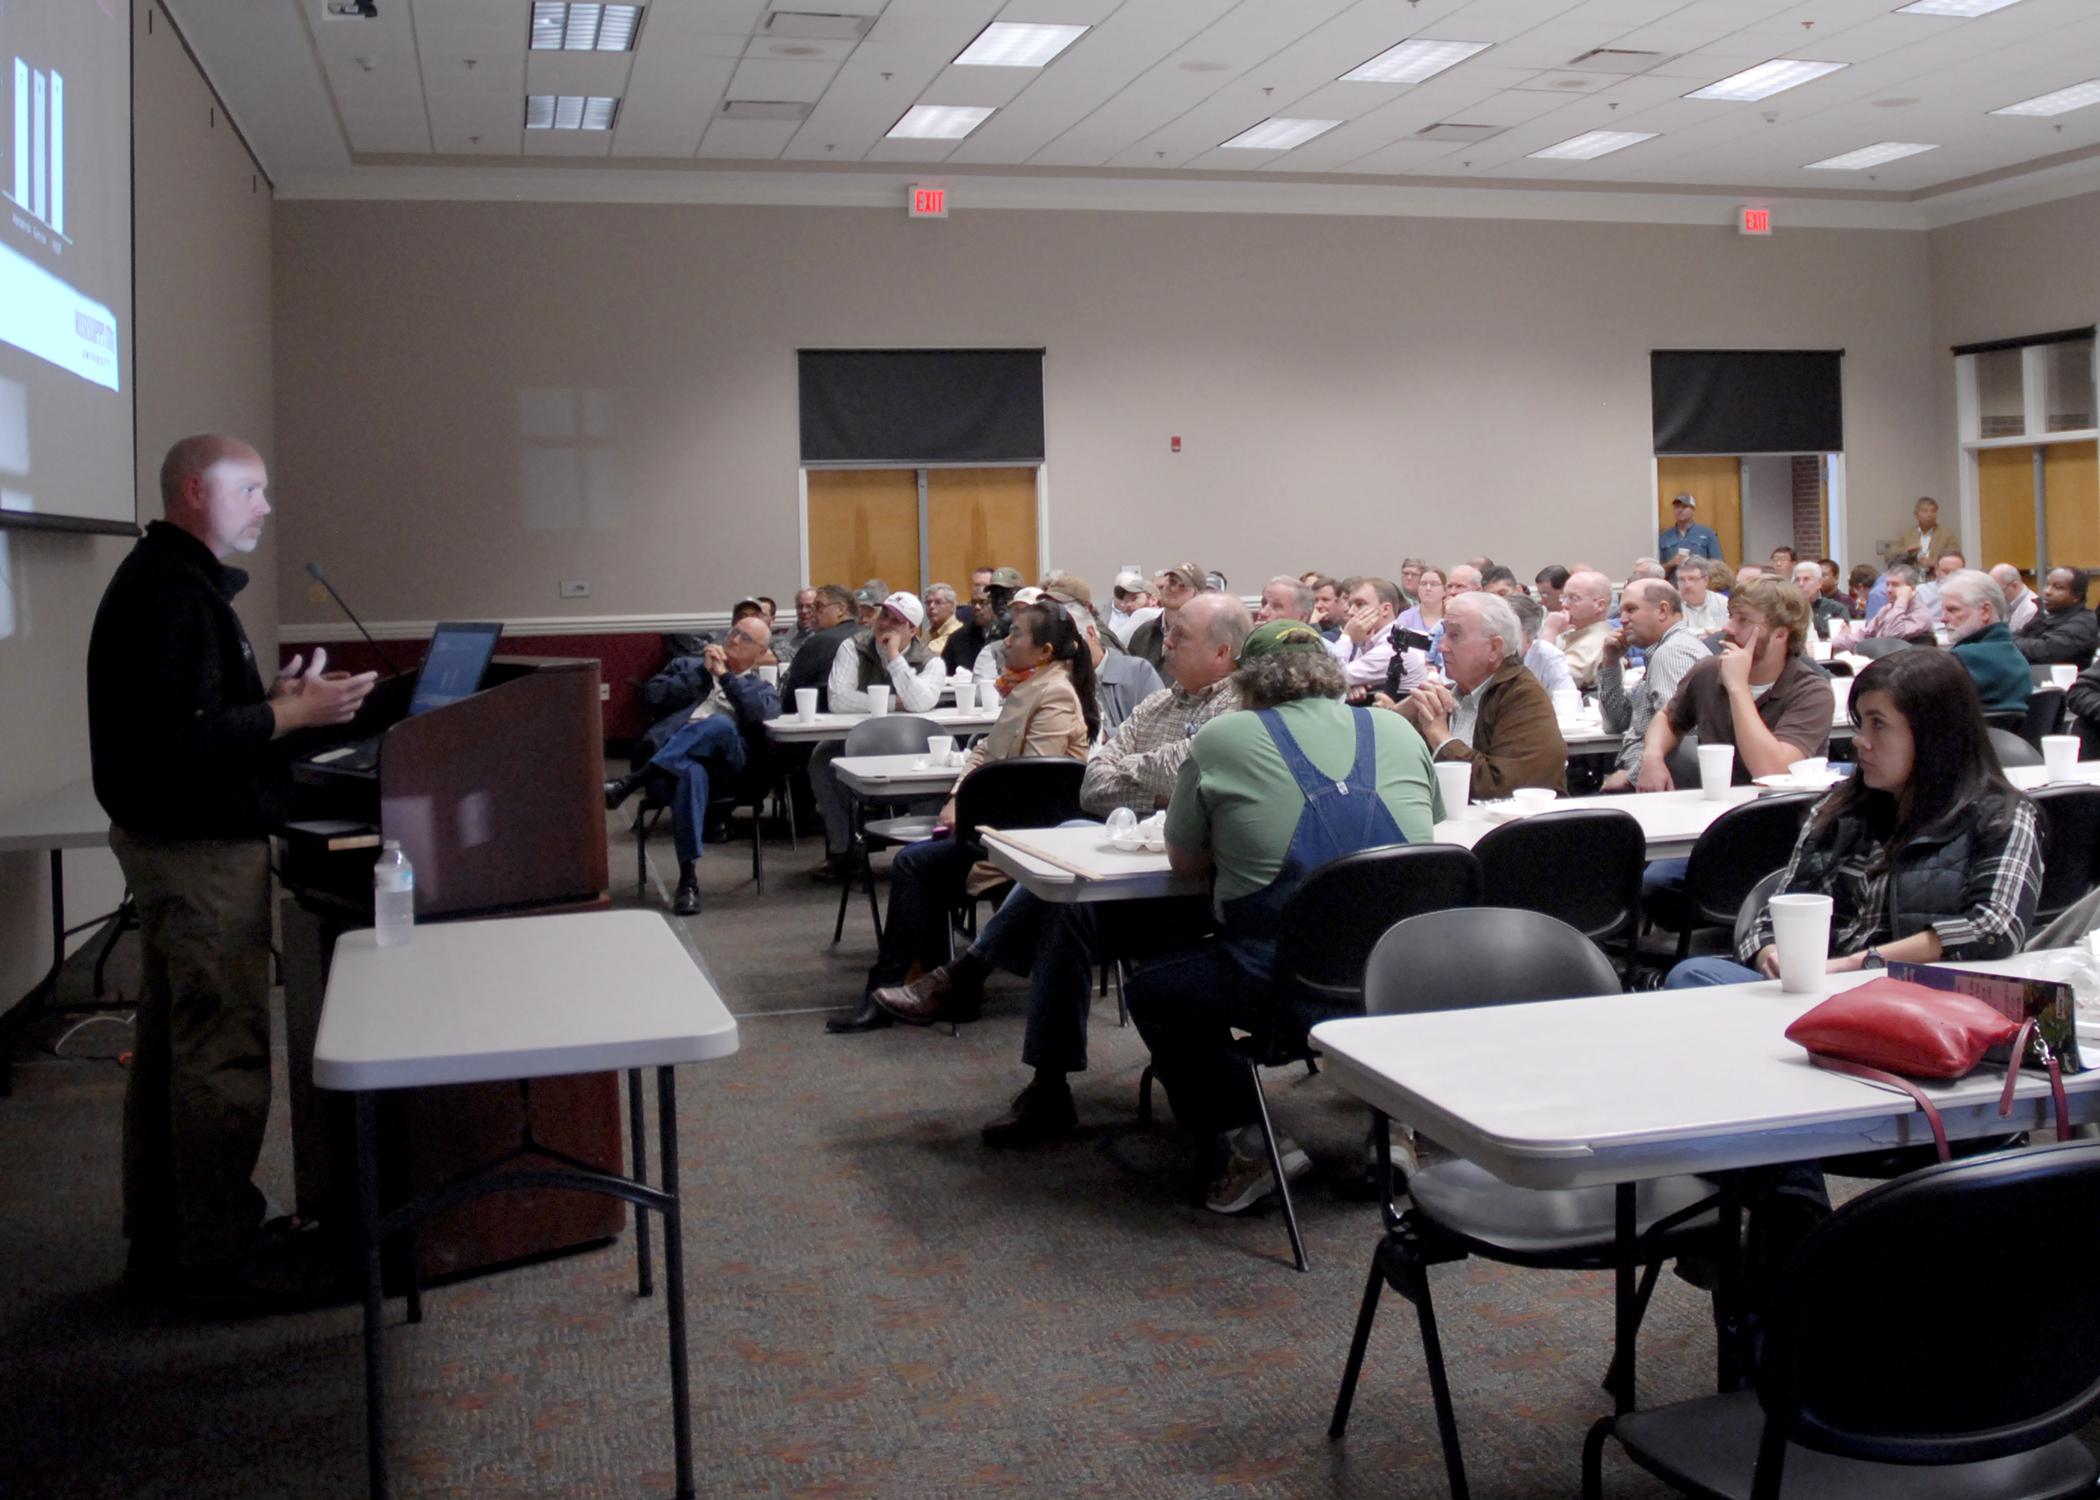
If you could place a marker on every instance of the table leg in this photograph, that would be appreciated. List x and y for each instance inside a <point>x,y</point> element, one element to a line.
<point>644,1271</point>
<point>1728,1287</point>
<point>368,1237</point>
<point>674,1273</point>
<point>1625,1311</point>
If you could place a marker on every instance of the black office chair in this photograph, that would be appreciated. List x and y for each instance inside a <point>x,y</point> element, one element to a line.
<point>2012,750</point>
<point>891,734</point>
<point>1329,926</point>
<point>1495,956</point>
<point>1738,849</point>
<point>1030,791</point>
<point>2011,721</point>
<point>1582,865</point>
<point>2070,847</point>
<point>1870,1386</point>
<point>2045,715</point>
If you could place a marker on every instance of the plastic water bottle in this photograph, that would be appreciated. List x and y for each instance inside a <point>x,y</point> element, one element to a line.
<point>394,896</point>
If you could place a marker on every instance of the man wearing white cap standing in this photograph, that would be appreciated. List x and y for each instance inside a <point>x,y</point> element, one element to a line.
<point>1134,604</point>
<point>887,654</point>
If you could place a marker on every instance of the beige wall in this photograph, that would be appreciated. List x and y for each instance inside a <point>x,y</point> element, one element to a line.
<point>202,324</point>
<point>1348,390</point>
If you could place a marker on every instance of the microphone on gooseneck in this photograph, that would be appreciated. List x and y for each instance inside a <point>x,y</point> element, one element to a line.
<point>313,571</point>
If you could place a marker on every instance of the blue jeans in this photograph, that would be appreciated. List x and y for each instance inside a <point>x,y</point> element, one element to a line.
<point>698,750</point>
<point>1698,973</point>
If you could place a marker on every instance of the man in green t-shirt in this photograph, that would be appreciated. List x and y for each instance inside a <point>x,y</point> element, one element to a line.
<point>1265,797</point>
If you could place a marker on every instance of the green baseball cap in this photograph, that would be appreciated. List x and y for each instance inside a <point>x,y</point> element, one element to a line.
<point>1278,637</point>
<point>1007,578</point>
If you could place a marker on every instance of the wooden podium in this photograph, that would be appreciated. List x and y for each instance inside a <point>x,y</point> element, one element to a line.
<point>497,802</point>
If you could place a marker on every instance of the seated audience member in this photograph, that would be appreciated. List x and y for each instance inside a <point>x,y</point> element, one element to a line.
<point>1747,572</point>
<point>1329,608</point>
<point>1285,599</point>
<point>941,620</point>
<point>2082,705</point>
<point>1586,601</point>
<point>1905,617</point>
<point>1057,944</point>
<point>786,644</point>
<point>1264,798</point>
<point>1365,647</point>
<point>1705,606</point>
<point>1480,564</point>
<point>1133,605</point>
<point>1927,851</point>
<point>1215,582</point>
<point>1173,588</point>
<point>1781,563</point>
<point>2021,602</point>
<point>1410,577</point>
<point>888,654</point>
<point>2064,631</point>
<point>1686,538</point>
<point>1493,713</point>
<point>1833,586</point>
<point>1049,707</point>
<point>1859,584</point>
<point>1426,614</point>
<point>991,661</point>
<point>1123,681</point>
<point>1463,578</point>
<point>1542,659</point>
<point>1500,581</point>
<point>831,624</point>
<point>1929,582</point>
<point>709,745</point>
<point>1808,577</point>
<point>1651,617</point>
<point>1972,607</point>
<point>1549,583</point>
<point>1760,695</point>
<point>991,604</point>
<point>1647,567</point>
<point>867,602</point>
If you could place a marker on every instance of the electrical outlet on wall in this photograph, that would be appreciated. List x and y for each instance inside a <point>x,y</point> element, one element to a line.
<point>605,692</point>
<point>575,588</point>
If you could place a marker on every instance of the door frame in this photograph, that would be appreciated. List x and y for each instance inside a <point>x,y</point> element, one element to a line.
<point>1833,488</point>
<point>1042,508</point>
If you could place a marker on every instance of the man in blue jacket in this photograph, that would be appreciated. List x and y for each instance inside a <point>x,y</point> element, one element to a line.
<point>1687,536</point>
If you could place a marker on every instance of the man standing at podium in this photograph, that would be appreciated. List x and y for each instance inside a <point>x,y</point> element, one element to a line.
<point>182,734</point>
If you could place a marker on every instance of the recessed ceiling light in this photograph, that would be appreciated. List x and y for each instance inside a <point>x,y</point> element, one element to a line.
<point>1414,60</point>
<point>1017,44</point>
<point>560,26</point>
<point>1962,8</point>
<point>1593,144</point>
<point>938,122</point>
<point>569,112</point>
<point>1765,80</point>
<point>1279,134</point>
<point>1869,156</point>
<point>2062,102</point>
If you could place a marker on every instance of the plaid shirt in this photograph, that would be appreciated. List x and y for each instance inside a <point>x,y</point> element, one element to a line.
<point>2001,890</point>
<point>1138,767</point>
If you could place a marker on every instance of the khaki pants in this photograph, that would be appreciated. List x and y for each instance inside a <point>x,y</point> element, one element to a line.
<point>199,1091</point>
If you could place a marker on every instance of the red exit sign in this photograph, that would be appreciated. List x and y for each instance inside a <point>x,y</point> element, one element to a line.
<point>929,203</point>
<point>1754,221</point>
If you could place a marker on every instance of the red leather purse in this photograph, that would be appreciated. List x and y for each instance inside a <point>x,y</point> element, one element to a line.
<point>1887,1028</point>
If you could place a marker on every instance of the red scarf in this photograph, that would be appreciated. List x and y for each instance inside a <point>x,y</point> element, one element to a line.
<point>1013,677</point>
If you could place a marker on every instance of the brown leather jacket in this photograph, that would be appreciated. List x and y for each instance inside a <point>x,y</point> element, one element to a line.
<point>1516,736</point>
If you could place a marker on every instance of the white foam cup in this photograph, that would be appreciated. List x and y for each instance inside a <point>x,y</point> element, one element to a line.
<point>1567,703</point>
<point>769,674</point>
<point>1716,770</point>
<point>2063,676</point>
<point>1454,778</point>
<point>1801,929</point>
<point>805,704</point>
<point>939,747</point>
<point>2059,754</point>
<point>878,701</point>
<point>965,692</point>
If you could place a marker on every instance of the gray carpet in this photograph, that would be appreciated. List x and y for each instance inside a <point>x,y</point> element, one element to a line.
<point>880,1306</point>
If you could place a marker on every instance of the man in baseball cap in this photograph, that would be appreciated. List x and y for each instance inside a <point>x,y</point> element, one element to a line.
<point>888,654</point>
<point>1174,587</point>
<point>1686,538</point>
<point>868,598</point>
<point>1133,604</point>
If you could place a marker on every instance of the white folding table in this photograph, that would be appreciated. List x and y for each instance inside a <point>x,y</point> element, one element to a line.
<point>520,998</point>
<point>51,823</point>
<point>789,730</point>
<point>894,778</point>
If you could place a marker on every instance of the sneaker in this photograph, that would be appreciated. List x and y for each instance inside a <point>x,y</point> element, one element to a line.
<point>1247,1178</point>
<point>1041,1113</point>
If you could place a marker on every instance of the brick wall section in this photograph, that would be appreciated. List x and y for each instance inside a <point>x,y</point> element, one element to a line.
<point>1808,506</point>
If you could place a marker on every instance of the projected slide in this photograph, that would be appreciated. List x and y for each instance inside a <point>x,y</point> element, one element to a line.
<point>65,261</point>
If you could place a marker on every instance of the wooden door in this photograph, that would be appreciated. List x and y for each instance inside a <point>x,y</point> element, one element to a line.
<point>2071,481</point>
<point>2005,502</point>
<point>864,523</point>
<point>1717,484</point>
<point>980,518</point>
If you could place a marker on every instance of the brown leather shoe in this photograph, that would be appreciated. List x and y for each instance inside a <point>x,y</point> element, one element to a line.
<point>933,996</point>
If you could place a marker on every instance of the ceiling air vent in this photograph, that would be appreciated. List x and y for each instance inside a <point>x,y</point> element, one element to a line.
<point>1618,60</point>
<point>815,26</point>
<point>763,109</point>
<point>1447,131</point>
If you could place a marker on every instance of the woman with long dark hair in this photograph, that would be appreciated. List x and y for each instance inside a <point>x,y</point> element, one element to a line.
<point>1049,706</point>
<point>1927,851</point>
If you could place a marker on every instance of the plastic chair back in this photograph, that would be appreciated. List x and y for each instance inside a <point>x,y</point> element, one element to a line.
<point>1030,791</point>
<point>1746,914</point>
<point>1335,918</point>
<point>2070,838</point>
<point>1479,956</point>
<point>2045,715</point>
<point>892,734</point>
<point>1923,1322</point>
<point>1683,763</point>
<point>2012,750</point>
<point>1740,848</point>
<point>1581,865</point>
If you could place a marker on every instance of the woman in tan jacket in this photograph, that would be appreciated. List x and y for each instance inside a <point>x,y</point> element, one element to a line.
<point>1049,708</point>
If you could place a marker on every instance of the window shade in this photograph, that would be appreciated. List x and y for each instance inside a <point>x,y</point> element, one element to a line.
<point>1747,400</point>
<point>922,405</point>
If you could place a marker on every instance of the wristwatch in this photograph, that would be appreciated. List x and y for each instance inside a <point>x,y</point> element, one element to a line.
<point>1872,959</point>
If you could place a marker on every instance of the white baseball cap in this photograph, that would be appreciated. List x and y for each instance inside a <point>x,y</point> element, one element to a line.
<point>1028,595</point>
<point>907,607</point>
<point>1130,581</point>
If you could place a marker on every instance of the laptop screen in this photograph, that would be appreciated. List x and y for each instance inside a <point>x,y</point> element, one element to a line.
<point>459,654</point>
